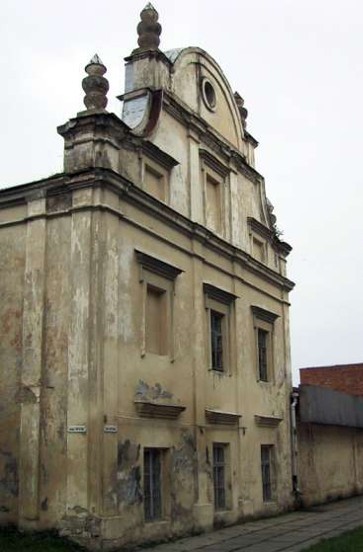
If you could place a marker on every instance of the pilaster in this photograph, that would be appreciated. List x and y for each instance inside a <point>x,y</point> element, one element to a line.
<point>203,507</point>
<point>78,357</point>
<point>31,375</point>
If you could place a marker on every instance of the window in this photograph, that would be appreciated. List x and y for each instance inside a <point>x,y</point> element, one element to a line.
<point>214,177</point>
<point>218,304</point>
<point>216,332</point>
<point>155,181</point>
<point>152,484</point>
<point>156,168</point>
<point>157,279</point>
<point>262,338</point>
<point>156,327</point>
<point>220,471</point>
<point>267,472</point>
<point>259,250</point>
<point>213,203</point>
<point>264,325</point>
<point>208,94</point>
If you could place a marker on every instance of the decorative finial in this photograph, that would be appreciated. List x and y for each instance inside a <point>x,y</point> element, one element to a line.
<point>243,113</point>
<point>149,30</point>
<point>95,84</point>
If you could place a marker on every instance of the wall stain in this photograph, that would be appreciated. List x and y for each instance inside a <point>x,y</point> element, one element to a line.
<point>44,504</point>
<point>25,395</point>
<point>128,488</point>
<point>10,482</point>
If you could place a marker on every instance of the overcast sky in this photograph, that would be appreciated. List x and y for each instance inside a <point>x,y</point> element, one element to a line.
<point>297,63</point>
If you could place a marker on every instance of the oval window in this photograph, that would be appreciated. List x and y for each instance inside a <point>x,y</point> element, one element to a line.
<point>209,94</point>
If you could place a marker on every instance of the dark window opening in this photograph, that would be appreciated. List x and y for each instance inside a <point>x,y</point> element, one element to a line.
<point>219,477</point>
<point>152,484</point>
<point>262,354</point>
<point>216,325</point>
<point>266,471</point>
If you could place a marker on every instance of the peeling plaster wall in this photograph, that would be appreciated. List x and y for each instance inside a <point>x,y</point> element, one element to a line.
<point>53,423</point>
<point>90,483</point>
<point>330,462</point>
<point>12,266</point>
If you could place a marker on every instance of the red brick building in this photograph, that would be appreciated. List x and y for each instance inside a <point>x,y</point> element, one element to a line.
<point>347,378</point>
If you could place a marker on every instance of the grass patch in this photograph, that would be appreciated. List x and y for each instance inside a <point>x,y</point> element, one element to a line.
<point>12,540</point>
<point>352,541</point>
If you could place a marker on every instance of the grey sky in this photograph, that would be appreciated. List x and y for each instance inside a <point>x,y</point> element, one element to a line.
<point>297,63</point>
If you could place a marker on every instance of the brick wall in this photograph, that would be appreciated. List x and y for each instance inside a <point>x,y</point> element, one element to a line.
<point>347,378</point>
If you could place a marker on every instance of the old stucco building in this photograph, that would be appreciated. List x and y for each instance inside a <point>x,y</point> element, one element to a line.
<point>144,353</point>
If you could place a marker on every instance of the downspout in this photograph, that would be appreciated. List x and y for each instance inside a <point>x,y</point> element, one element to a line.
<point>294,450</point>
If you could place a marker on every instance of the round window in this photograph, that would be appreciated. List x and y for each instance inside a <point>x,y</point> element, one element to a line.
<point>209,94</point>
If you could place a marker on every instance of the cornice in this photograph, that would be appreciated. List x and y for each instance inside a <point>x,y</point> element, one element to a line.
<point>102,177</point>
<point>281,247</point>
<point>250,139</point>
<point>17,195</point>
<point>91,120</point>
<point>157,266</point>
<point>158,155</point>
<point>220,295</point>
<point>138,53</point>
<point>214,163</point>
<point>154,409</point>
<point>260,228</point>
<point>264,315</point>
<point>220,417</point>
<point>267,421</point>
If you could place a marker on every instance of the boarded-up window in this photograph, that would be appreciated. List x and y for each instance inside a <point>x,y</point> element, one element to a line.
<point>156,331</point>
<point>259,250</point>
<point>213,204</point>
<point>155,183</point>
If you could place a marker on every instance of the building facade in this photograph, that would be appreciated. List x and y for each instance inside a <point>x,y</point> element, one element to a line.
<point>144,352</point>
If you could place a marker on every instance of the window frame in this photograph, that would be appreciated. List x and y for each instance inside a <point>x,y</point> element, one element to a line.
<point>153,288</point>
<point>159,172</point>
<point>259,249</point>
<point>217,337</point>
<point>159,508</point>
<point>211,179</point>
<point>161,276</point>
<point>268,472</point>
<point>159,162</point>
<point>221,303</point>
<point>221,470</point>
<point>264,324</point>
<point>212,169</point>
<point>263,353</point>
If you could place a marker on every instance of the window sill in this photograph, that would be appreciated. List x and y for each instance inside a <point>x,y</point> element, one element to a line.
<point>220,373</point>
<point>157,522</point>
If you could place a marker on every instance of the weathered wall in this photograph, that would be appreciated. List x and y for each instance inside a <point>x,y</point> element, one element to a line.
<point>92,368</point>
<point>11,312</point>
<point>330,462</point>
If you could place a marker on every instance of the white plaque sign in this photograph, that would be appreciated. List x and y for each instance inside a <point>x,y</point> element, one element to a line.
<point>77,429</point>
